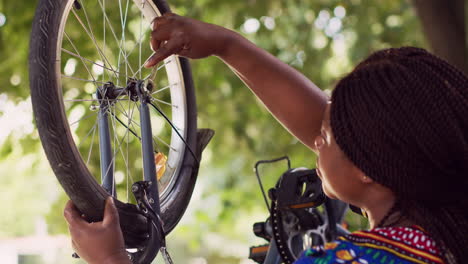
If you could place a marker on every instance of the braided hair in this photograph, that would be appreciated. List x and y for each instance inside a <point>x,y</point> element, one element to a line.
<point>401,116</point>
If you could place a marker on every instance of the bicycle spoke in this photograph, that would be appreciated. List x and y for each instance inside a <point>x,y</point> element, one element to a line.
<point>80,57</point>
<point>175,129</point>
<point>122,108</point>
<point>97,64</point>
<point>114,154</point>
<point>122,153</point>
<point>119,43</point>
<point>83,118</point>
<point>152,74</point>
<point>104,38</point>
<point>127,127</point>
<point>91,100</point>
<point>126,165</point>
<point>154,136</point>
<point>163,102</point>
<point>80,100</point>
<point>164,143</point>
<point>123,112</point>
<point>142,66</point>
<point>132,126</point>
<point>123,24</point>
<point>134,122</point>
<point>159,109</point>
<point>87,135</point>
<point>140,40</point>
<point>80,79</point>
<point>155,70</point>
<point>162,89</point>
<point>139,53</point>
<point>111,164</point>
<point>102,55</point>
<point>92,140</point>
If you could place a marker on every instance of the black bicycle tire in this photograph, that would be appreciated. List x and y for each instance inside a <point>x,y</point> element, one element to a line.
<point>58,144</point>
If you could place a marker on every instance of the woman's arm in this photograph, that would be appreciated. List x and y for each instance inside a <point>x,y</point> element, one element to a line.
<point>293,99</point>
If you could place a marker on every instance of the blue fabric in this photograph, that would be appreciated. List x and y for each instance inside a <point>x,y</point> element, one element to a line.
<point>390,245</point>
<point>347,252</point>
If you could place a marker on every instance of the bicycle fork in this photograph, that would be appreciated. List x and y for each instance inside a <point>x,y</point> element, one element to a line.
<point>145,192</point>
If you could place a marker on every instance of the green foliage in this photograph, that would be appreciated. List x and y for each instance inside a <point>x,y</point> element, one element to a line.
<point>14,45</point>
<point>28,190</point>
<point>245,131</point>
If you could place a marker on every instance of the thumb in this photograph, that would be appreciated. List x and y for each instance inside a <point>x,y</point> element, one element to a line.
<point>111,215</point>
<point>73,216</point>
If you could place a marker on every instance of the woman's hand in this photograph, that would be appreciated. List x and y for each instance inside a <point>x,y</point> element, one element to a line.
<point>100,242</point>
<point>173,34</point>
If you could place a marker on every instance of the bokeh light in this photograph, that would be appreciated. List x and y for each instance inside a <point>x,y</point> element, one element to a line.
<point>251,25</point>
<point>2,19</point>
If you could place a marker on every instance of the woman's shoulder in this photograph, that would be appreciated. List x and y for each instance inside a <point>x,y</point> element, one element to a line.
<point>391,245</point>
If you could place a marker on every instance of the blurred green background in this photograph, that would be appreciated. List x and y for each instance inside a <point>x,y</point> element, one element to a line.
<point>322,38</point>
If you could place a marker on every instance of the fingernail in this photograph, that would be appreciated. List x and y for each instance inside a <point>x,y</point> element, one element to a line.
<point>148,62</point>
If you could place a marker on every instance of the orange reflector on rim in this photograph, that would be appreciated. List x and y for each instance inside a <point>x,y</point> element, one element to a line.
<point>160,162</point>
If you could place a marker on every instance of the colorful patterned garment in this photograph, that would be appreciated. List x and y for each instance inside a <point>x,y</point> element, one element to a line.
<point>389,245</point>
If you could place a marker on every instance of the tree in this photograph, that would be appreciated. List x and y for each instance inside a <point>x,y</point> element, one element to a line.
<point>445,28</point>
<point>323,39</point>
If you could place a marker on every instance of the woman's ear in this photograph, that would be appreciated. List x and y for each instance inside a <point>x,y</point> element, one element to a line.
<point>366,179</point>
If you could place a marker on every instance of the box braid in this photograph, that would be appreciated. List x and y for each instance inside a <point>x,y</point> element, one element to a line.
<point>401,116</point>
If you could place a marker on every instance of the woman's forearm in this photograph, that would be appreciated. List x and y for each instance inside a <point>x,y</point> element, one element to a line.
<point>292,98</point>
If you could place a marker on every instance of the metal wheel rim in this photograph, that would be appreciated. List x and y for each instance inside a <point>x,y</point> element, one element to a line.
<point>177,91</point>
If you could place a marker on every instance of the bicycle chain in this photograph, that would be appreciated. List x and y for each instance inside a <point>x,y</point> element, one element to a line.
<point>279,234</point>
<point>282,235</point>
<point>165,254</point>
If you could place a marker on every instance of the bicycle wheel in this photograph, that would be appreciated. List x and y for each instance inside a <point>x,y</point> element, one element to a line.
<point>79,47</point>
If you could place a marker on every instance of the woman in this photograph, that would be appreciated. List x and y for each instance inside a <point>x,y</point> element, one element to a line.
<point>392,140</point>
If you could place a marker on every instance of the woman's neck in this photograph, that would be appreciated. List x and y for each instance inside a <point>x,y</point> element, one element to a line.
<point>377,211</point>
<point>387,215</point>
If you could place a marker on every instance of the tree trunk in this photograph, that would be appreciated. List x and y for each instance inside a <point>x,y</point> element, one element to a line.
<point>443,23</point>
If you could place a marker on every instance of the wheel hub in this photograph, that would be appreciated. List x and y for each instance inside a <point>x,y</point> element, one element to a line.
<point>134,88</point>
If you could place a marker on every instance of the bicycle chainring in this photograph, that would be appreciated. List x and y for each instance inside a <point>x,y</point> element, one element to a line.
<point>296,223</point>
<point>294,233</point>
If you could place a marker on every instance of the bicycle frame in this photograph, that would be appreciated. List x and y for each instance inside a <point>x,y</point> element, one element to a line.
<point>105,151</point>
<point>149,168</point>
